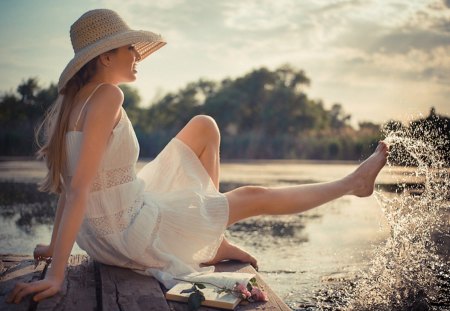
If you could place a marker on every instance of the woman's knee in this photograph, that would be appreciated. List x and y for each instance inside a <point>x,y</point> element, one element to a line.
<point>200,132</point>
<point>205,125</point>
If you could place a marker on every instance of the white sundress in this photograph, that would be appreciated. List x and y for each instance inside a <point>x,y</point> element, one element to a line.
<point>163,221</point>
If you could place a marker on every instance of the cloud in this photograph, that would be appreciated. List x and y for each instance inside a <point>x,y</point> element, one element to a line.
<point>414,48</point>
<point>340,5</point>
<point>403,41</point>
<point>349,48</point>
<point>416,64</point>
<point>164,5</point>
<point>258,15</point>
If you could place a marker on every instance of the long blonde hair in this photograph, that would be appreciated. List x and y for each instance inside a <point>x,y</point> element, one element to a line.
<point>54,127</point>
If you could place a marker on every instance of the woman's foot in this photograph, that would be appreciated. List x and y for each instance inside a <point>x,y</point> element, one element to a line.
<point>363,178</point>
<point>229,251</point>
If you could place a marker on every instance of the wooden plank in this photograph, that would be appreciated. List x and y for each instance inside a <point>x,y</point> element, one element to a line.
<point>17,268</point>
<point>124,289</point>
<point>274,303</point>
<point>117,288</point>
<point>9,260</point>
<point>79,282</point>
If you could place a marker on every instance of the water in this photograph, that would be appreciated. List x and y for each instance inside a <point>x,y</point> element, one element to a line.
<point>385,252</point>
<point>300,254</point>
<point>411,270</point>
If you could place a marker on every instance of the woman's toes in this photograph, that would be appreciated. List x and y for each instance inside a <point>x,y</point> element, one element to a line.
<point>251,260</point>
<point>382,147</point>
<point>254,263</point>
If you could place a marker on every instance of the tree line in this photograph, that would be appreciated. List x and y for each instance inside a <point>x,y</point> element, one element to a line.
<point>263,114</point>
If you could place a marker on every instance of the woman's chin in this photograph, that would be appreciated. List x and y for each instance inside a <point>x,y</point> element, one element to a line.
<point>131,78</point>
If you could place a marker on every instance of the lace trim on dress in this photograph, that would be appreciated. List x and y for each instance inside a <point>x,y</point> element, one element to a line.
<point>114,177</point>
<point>116,222</point>
<point>111,178</point>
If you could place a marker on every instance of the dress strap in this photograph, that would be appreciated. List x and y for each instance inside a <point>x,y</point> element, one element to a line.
<point>89,97</point>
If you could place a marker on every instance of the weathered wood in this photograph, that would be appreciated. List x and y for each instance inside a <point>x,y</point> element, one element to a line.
<point>113,289</point>
<point>9,260</point>
<point>79,290</point>
<point>123,289</point>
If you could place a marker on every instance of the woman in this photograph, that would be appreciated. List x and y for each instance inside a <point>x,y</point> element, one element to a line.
<point>169,218</point>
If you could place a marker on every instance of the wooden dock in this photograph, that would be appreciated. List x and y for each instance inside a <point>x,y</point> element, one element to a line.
<point>90,285</point>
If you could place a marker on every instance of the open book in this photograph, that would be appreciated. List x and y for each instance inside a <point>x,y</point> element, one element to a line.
<point>212,297</point>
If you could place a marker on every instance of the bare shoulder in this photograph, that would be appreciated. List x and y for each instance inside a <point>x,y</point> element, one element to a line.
<point>104,107</point>
<point>108,94</point>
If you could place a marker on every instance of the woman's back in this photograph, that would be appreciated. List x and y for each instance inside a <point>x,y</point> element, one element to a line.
<point>115,195</point>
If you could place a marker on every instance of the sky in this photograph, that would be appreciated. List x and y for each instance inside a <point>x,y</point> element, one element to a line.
<point>380,59</point>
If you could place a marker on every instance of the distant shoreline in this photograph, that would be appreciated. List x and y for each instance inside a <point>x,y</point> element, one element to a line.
<point>231,161</point>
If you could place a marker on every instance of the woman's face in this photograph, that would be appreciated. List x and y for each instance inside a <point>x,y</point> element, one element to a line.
<point>123,63</point>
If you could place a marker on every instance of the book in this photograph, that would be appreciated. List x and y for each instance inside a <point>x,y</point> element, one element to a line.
<point>213,298</point>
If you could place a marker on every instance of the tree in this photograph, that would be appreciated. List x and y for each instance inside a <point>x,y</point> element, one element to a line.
<point>292,78</point>
<point>131,95</point>
<point>28,90</point>
<point>369,126</point>
<point>339,118</point>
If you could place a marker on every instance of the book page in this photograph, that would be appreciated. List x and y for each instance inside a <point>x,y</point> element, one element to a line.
<point>220,279</point>
<point>212,297</point>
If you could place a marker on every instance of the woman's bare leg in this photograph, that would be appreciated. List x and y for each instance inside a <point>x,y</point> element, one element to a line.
<point>202,135</point>
<point>251,201</point>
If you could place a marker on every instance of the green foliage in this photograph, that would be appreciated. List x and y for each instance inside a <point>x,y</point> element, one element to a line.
<point>28,90</point>
<point>131,97</point>
<point>252,283</point>
<point>131,103</point>
<point>262,102</point>
<point>263,114</point>
<point>19,116</point>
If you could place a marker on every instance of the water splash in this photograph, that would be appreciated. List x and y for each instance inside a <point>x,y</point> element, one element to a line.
<point>411,271</point>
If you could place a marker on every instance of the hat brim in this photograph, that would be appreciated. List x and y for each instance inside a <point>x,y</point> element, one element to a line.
<point>145,42</point>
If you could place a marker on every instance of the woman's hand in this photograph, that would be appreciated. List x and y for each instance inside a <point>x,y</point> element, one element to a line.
<point>45,288</point>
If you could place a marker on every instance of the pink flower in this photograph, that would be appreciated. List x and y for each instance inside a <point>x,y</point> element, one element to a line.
<point>258,295</point>
<point>242,290</point>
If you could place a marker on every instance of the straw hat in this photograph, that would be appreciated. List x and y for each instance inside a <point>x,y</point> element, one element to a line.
<point>99,31</point>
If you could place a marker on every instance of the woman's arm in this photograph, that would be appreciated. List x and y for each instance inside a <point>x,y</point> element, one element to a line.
<point>100,120</point>
<point>59,212</point>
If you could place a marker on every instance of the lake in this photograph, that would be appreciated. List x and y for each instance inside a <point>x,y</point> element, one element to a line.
<point>302,257</point>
